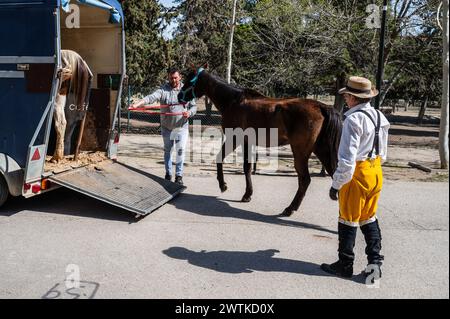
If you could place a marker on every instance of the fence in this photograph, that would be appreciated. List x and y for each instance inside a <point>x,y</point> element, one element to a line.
<point>144,123</point>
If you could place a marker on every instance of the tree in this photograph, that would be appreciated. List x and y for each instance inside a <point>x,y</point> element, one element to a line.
<point>289,47</point>
<point>202,33</point>
<point>444,131</point>
<point>412,61</point>
<point>148,54</point>
<point>295,47</point>
<point>230,44</point>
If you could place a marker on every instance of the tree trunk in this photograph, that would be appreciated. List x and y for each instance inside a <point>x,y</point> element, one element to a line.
<point>391,82</point>
<point>423,108</point>
<point>407,104</point>
<point>444,130</point>
<point>230,45</point>
<point>338,98</point>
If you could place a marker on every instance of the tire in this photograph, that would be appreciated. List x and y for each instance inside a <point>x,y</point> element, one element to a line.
<point>4,191</point>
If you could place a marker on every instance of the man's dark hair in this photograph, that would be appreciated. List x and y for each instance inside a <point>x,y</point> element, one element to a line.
<point>362,100</point>
<point>173,70</point>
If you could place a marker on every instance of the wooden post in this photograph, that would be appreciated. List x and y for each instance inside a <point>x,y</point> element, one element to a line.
<point>80,137</point>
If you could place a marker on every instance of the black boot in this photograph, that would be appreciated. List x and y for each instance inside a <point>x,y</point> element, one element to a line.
<point>344,266</point>
<point>179,180</point>
<point>339,268</point>
<point>168,177</point>
<point>372,235</point>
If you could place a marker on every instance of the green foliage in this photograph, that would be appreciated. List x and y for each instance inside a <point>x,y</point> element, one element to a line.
<point>146,50</point>
<point>289,47</point>
<point>202,35</point>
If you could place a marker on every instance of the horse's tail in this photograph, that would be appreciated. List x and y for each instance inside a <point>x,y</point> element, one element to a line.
<point>327,144</point>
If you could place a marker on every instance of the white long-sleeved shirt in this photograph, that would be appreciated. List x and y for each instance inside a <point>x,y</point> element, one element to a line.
<point>357,138</point>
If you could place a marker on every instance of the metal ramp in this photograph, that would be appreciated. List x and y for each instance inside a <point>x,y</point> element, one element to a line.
<point>120,185</point>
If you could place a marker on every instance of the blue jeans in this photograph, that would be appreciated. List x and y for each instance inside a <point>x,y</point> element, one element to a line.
<point>179,137</point>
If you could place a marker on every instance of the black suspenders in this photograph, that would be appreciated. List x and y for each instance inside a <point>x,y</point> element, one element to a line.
<point>376,140</point>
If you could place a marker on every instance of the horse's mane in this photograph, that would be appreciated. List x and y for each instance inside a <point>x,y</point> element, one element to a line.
<point>250,93</point>
<point>244,92</point>
<point>81,75</point>
<point>69,61</point>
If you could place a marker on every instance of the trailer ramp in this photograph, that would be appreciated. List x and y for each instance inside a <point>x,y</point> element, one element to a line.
<point>120,185</point>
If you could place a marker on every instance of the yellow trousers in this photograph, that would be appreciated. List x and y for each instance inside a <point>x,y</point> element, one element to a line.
<point>358,199</point>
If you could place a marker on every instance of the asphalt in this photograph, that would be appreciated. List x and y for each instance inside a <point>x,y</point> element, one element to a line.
<point>207,244</point>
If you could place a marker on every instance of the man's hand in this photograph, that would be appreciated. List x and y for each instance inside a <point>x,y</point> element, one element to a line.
<point>185,114</point>
<point>136,104</point>
<point>334,193</point>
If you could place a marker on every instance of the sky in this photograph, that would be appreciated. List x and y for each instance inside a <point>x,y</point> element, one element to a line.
<point>166,3</point>
<point>168,33</point>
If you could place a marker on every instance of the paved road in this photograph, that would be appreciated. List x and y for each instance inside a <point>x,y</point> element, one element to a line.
<point>205,244</point>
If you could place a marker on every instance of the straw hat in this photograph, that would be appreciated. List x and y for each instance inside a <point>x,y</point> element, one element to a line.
<point>360,87</point>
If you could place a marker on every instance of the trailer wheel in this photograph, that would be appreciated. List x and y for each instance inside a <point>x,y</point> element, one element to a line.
<point>4,191</point>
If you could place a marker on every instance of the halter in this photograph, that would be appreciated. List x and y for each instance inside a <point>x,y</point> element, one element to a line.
<point>192,87</point>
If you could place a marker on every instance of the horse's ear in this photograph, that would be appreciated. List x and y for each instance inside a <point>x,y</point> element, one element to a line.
<point>193,68</point>
<point>205,65</point>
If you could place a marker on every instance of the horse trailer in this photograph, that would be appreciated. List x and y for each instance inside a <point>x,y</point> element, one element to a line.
<point>32,35</point>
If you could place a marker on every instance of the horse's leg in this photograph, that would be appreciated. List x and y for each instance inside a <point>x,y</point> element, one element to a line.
<point>304,179</point>
<point>254,164</point>
<point>323,172</point>
<point>248,175</point>
<point>60,127</point>
<point>219,159</point>
<point>73,121</point>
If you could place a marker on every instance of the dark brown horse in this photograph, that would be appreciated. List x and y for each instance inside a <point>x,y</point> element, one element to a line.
<point>307,125</point>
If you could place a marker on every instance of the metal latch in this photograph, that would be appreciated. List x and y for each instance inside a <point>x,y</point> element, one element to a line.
<point>23,67</point>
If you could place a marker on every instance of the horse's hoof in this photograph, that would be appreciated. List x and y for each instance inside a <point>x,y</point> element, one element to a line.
<point>246,199</point>
<point>223,187</point>
<point>287,212</point>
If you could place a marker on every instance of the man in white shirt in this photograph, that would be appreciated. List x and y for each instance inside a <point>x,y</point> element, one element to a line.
<point>358,178</point>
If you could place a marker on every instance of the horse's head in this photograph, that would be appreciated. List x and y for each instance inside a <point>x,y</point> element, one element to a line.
<point>65,74</point>
<point>193,86</point>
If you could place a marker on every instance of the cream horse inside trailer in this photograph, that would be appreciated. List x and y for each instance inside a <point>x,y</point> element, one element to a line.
<point>75,77</point>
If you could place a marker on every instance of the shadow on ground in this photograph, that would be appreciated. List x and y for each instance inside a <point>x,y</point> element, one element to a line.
<point>412,120</point>
<point>63,201</point>
<point>417,133</point>
<point>237,262</point>
<point>214,207</point>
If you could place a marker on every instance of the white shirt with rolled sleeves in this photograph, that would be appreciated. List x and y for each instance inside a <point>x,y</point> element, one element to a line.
<point>357,138</point>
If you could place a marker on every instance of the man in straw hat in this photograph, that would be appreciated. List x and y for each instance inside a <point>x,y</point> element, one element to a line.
<point>358,178</point>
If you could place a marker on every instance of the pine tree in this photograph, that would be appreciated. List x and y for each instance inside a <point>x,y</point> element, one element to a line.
<point>147,52</point>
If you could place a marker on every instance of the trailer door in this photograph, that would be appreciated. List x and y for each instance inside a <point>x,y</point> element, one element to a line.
<point>120,185</point>
<point>28,58</point>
